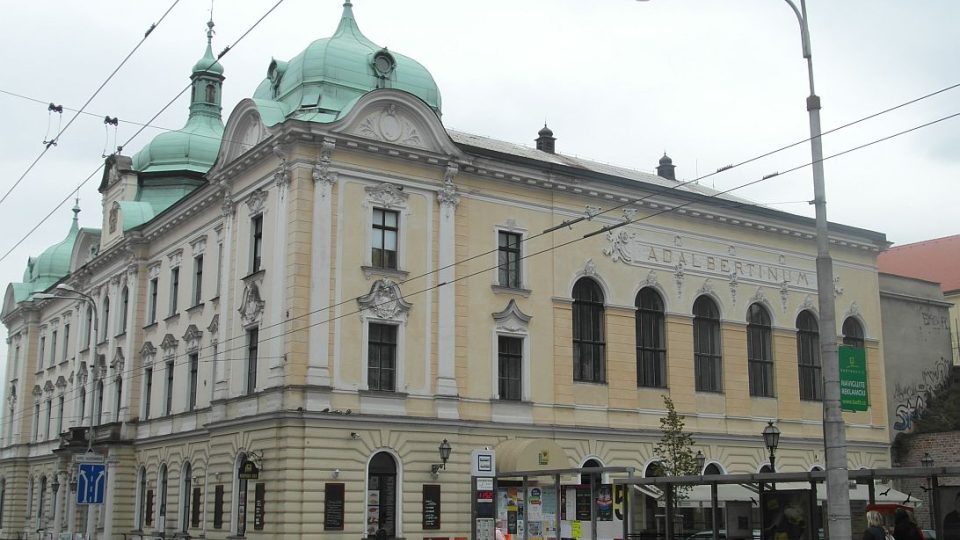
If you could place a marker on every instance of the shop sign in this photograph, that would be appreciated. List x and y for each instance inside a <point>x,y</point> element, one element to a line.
<point>853,379</point>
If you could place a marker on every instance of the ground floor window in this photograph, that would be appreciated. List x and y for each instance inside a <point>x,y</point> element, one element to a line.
<point>382,496</point>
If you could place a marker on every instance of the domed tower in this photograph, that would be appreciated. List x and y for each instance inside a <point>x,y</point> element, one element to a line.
<point>323,82</point>
<point>50,266</point>
<point>192,150</point>
<point>666,168</point>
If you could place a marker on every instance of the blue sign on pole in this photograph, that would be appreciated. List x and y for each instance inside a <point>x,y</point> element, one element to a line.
<point>91,483</point>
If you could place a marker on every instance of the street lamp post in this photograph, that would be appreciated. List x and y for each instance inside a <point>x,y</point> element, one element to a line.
<point>771,439</point>
<point>63,292</point>
<point>834,436</point>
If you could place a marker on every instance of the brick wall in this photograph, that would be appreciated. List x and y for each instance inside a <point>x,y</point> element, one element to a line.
<point>944,448</point>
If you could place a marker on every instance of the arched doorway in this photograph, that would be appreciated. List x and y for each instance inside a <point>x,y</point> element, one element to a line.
<point>382,496</point>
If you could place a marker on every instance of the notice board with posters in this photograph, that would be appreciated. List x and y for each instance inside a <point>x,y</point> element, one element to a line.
<point>431,507</point>
<point>333,506</point>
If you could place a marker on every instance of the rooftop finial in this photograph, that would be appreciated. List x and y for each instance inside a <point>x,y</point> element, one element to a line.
<point>76,209</point>
<point>210,25</point>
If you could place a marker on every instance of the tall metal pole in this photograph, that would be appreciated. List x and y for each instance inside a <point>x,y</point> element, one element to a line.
<point>834,434</point>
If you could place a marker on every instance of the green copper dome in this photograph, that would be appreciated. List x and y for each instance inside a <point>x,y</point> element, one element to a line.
<point>332,73</point>
<point>50,267</point>
<point>193,148</point>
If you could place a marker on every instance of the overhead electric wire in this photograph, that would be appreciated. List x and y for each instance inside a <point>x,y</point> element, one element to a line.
<point>56,138</point>
<point>217,351</point>
<point>143,127</point>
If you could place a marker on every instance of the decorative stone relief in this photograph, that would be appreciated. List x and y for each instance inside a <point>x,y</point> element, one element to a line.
<point>256,201</point>
<point>389,125</point>
<point>48,388</point>
<point>853,310</point>
<point>176,257</point>
<point>651,279</point>
<point>629,214</point>
<point>169,345</point>
<point>214,327</point>
<point>678,241</point>
<point>227,207</point>
<point>153,271</point>
<point>199,245</point>
<point>147,351</point>
<point>37,391</point>
<point>323,177</point>
<point>706,288</point>
<point>837,289</point>
<point>448,198</point>
<point>82,374</point>
<point>511,319</point>
<point>619,248</point>
<point>678,275</point>
<point>386,195</point>
<point>384,301</point>
<point>118,361</point>
<point>192,337</point>
<point>251,305</point>
<point>590,268</point>
<point>592,211</point>
<point>61,383</point>
<point>808,304</point>
<point>784,294</point>
<point>114,217</point>
<point>282,175</point>
<point>732,250</point>
<point>783,259</point>
<point>758,296</point>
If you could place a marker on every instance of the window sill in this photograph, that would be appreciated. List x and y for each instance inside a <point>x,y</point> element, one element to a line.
<point>384,272</point>
<point>51,367</point>
<point>253,275</point>
<point>593,383</point>
<point>711,392</point>
<point>120,335</point>
<point>383,394</point>
<point>151,325</point>
<point>84,349</point>
<point>811,400</point>
<point>500,289</point>
<point>506,401</point>
<point>195,307</point>
<point>215,299</point>
<point>64,362</point>
<point>102,342</point>
<point>648,387</point>
<point>774,398</point>
<point>172,317</point>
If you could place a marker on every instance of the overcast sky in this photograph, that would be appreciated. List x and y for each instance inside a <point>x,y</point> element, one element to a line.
<point>710,82</point>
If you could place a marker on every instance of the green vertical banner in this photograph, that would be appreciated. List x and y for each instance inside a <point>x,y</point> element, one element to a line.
<point>853,379</point>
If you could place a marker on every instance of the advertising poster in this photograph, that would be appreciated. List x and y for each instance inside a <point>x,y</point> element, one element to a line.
<point>786,514</point>
<point>535,508</point>
<point>949,510</point>
<point>605,503</point>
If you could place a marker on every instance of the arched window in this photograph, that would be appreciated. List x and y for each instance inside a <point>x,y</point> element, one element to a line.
<point>82,404</point>
<point>651,340</point>
<point>586,479</point>
<point>808,357</point>
<point>139,518</point>
<point>712,469</point>
<point>118,384</point>
<point>3,498</point>
<point>382,481</point>
<point>238,523</point>
<point>162,497</point>
<point>105,323</point>
<point>852,333</point>
<point>88,331</point>
<point>211,93</point>
<point>706,345</point>
<point>588,332</point>
<point>759,351</point>
<point>186,488</point>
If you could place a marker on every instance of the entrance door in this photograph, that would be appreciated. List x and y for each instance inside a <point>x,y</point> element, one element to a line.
<point>382,497</point>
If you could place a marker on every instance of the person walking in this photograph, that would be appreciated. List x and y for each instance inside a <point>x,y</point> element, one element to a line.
<point>874,530</point>
<point>904,526</point>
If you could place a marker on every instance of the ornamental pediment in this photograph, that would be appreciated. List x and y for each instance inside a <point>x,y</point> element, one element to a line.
<point>396,118</point>
<point>385,302</point>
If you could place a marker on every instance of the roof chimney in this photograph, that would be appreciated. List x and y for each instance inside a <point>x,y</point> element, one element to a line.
<point>666,167</point>
<point>546,141</point>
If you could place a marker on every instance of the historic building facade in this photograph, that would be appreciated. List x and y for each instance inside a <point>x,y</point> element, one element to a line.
<point>332,283</point>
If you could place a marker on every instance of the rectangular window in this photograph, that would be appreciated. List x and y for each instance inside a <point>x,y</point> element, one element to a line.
<point>16,361</point>
<point>253,338</point>
<point>53,348</point>
<point>59,416</point>
<point>218,507</point>
<point>43,348</point>
<point>759,361</point>
<point>168,391</point>
<point>219,266</point>
<point>386,225</point>
<point>66,342</point>
<point>174,289</point>
<point>382,357</point>
<point>36,422</point>
<point>49,419</point>
<point>148,519</point>
<point>197,280</point>
<point>147,391</point>
<point>706,349</point>
<point>194,368</point>
<point>90,329</point>
<point>124,308</point>
<point>152,302</point>
<point>510,364</point>
<point>256,244</point>
<point>195,509</point>
<point>508,253</point>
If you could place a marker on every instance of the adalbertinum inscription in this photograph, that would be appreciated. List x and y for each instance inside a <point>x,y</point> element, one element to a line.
<point>628,248</point>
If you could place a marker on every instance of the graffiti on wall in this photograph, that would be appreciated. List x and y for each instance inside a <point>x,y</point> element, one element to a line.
<point>912,399</point>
